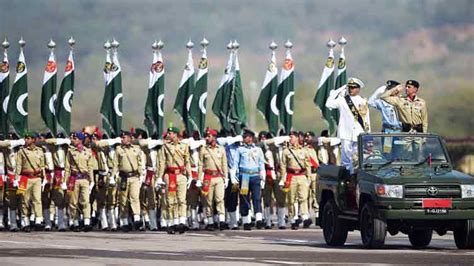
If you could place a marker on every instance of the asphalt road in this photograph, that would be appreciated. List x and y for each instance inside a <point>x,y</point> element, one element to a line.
<point>216,248</point>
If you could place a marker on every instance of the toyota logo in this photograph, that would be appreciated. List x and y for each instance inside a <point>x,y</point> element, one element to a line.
<point>432,191</point>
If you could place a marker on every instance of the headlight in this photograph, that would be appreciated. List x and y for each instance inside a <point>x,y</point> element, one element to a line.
<point>389,191</point>
<point>467,191</point>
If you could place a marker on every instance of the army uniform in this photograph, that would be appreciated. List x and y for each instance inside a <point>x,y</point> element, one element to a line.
<point>312,202</point>
<point>193,196</point>
<point>174,166</point>
<point>129,166</point>
<point>101,175</point>
<point>213,174</point>
<point>78,175</point>
<point>46,186</point>
<point>295,173</point>
<point>328,151</point>
<point>147,191</point>
<point>30,169</point>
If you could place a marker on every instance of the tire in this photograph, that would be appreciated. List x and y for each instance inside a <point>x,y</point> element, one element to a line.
<point>334,229</point>
<point>420,238</point>
<point>372,229</point>
<point>464,235</point>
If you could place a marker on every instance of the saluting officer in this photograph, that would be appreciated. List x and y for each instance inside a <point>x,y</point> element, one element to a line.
<point>295,172</point>
<point>411,108</point>
<point>212,172</point>
<point>30,165</point>
<point>129,165</point>
<point>390,121</point>
<point>174,169</point>
<point>79,177</point>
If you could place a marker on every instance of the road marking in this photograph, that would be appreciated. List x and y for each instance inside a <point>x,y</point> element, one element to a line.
<point>284,262</point>
<point>165,253</point>
<point>39,244</point>
<point>199,234</point>
<point>229,258</point>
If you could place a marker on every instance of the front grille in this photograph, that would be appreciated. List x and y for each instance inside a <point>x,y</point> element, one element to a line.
<point>421,191</point>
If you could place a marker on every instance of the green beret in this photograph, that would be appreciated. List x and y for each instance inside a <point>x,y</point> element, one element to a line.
<point>30,134</point>
<point>173,129</point>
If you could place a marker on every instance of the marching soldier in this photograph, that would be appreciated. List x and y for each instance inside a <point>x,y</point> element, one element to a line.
<point>390,121</point>
<point>295,172</point>
<point>78,175</point>
<point>175,171</point>
<point>354,117</point>
<point>129,166</point>
<point>46,185</point>
<point>213,175</point>
<point>30,165</point>
<point>411,108</point>
<point>249,163</point>
<point>101,176</point>
<point>313,159</point>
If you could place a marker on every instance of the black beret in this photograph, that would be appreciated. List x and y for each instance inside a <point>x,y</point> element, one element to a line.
<point>392,84</point>
<point>413,83</point>
<point>125,133</point>
<point>248,133</point>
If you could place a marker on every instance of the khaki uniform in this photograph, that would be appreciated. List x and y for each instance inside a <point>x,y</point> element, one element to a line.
<point>173,160</point>
<point>101,176</point>
<point>79,172</point>
<point>148,195</point>
<point>212,172</point>
<point>412,114</point>
<point>12,199</point>
<point>312,202</point>
<point>30,168</point>
<point>128,164</point>
<point>295,165</point>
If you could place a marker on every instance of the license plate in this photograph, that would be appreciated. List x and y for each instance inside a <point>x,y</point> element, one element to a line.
<point>436,211</point>
<point>437,203</point>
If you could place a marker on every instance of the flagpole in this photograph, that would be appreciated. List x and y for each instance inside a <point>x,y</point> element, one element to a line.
<point>6,45</point>
<point>342,41</point>
<point>235,46</point>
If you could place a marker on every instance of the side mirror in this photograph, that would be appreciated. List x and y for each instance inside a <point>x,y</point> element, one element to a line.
<point>333,171</point>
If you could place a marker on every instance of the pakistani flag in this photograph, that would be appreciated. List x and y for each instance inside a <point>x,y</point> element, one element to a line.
<point>18,101</point>
<point>234,103</point>
<point>326,84</point>
<point>156,93</point>
<point>341,78</point>
<point>218,104</point>
<point>286,92</point>
<point>185,95</point>
<point>48,94</point>
<point>111,108</point>
<point>197,111</point>
<point>4,91</point>
<point>267,101</point>
<point>65,95</point>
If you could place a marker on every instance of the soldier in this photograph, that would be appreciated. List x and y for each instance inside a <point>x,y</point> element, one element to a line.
<point>212,173</point>
<point>328,149</point>
<point>101,176</point>
<point>390,122</point>
<point>295,172</point>
<point>129,166</point>
<point>175,171</point>
<point>249,163</point>
<point>411,108</point>
<point>30,165</point>
<point>313,159</point>
<point>354,117</point>
<point>79,177</point>
<point>46,185</point>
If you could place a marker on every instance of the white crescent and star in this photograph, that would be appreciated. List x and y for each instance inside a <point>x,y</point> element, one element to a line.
<point>116,104</point>
<point>288,103</point>
<point>51,104</point>
<point>159,101</point>
<point>189,101</point>
<point>5,104</point>
<point>202,103</point>
<point>273,106</point>
<point>67,101</point>
<point>19,104</point>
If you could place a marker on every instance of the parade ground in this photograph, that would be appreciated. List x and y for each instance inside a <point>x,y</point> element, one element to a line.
<point>217,248</point>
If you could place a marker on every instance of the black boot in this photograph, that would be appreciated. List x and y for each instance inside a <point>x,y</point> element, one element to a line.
<point>222,226</point>
<point>294,226</point>
<point>39,227</point>
<point>87,228</point>
<point>26,229</point>
<point>259,224</point>
<point>210,227</point>
<point>181,229</point>
<point>171,230</point>
<point>307,223</point>
<point>125,228</point>
<point>247,227</point>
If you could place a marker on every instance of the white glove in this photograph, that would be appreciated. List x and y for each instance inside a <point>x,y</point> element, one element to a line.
<point>198,183</point>
<point>142,179</point>
<point>233,179</point>
<point>279,140</point>
<point>43,184</point>
<point>114,141</point>
<point>262,174</point>
<point>63,186</point>
<point>159,182</point>
<point>16,182</point>
<point>60,142</point>
<point>188,184</point>
<point>112,182</point>
<point>309,182</point>
<point>16,143</point>
<point>91,186</point>
<point>262,183</point>
<point>274,177</point>
<point>4,178</point>
<point>226,182</point>
<point>152,143</point>
<point>281,184</point>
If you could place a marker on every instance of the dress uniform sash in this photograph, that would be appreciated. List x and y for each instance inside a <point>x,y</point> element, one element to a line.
<point>268,174</point>
<point>173,172</point>
<point>58,177</point>
<point>245,175</point>
<point>208,175</point>
<point>149,177</point>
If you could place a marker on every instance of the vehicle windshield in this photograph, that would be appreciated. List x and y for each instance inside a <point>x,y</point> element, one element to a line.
<point>406,150</point>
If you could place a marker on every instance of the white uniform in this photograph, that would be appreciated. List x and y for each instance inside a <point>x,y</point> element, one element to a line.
<point>349,128</point>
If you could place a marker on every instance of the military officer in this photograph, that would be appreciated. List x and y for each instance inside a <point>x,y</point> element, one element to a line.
<point>390,121</point>
<point>30,169</point>
<point>313,159</point>
<point>411,108</point>
<point>175,171</point>
<point>129,166</point>
<point>354,117</point>
<point>212,173</point>
<point>328,149</point>
<point>101,176</point>
<point>249,166</point>
<point>295,172</point>
<point>79,177</point>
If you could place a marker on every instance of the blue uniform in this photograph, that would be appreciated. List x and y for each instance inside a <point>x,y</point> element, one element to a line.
<point>390,121</point>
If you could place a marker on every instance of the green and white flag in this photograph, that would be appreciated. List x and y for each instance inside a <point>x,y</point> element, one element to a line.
<point>156,94</point>
<point>326,84</point>
<point>267,101</point>
<point>197,111</point>
<point>286,92</point>
<point>341,78</point>
<point>185,95</point>
<point>65,96</point>
<point>4,91</point>
<point>218,104</point>
<point>111,108</point>
<point>234,102</point>
<point>18,101</point>
<point>48,94</point>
